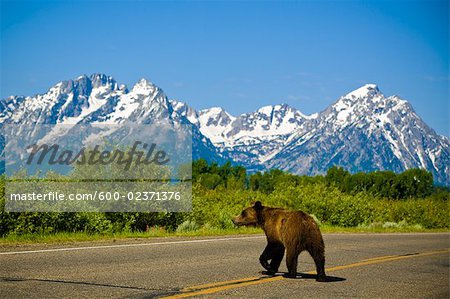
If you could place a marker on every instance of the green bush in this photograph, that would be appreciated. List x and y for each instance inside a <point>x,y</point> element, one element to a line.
<point>187,226</point>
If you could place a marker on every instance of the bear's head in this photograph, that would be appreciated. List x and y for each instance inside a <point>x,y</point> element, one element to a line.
<point>249,216</point>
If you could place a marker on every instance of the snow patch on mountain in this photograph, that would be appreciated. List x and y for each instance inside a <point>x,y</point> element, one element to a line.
<point>214,122</point>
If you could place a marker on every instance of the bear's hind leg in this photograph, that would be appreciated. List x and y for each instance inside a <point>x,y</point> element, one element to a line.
<point>319,260</point>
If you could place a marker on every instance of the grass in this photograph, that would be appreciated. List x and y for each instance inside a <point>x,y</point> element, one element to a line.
<point>70,237</point>
<point>377,229</point>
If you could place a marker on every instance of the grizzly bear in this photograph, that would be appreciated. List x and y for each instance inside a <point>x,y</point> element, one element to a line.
<point>293,231</point>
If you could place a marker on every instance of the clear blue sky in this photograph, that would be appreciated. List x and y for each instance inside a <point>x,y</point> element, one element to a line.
<point>238,55</point>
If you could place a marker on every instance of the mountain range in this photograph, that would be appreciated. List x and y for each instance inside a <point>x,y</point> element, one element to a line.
<point>363,130</point>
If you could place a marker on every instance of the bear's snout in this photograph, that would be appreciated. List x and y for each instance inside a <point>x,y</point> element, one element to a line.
<point>243,221</point>
<point>240,221</point>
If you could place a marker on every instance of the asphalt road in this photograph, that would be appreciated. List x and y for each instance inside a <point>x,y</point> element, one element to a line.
<point>359,266</point>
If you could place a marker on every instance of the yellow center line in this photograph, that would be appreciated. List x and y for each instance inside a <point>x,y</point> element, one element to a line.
<point>223,287</point>
<point>215,284</point>
<point>387,259</point>
<point>211,288</point>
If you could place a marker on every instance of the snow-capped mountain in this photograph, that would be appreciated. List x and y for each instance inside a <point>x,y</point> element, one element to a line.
<point>366,131</point>
<point>253,138</point>
<point>362,131</point>
<point>100,99</point>
<point>248,139</point>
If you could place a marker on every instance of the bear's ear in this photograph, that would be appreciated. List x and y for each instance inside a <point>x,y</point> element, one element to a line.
<point>258,205</point>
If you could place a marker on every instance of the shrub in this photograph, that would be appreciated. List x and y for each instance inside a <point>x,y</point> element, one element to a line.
<point>187,226</point>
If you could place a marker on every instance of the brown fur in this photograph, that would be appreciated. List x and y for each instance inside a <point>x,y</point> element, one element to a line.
<point>290,231</point>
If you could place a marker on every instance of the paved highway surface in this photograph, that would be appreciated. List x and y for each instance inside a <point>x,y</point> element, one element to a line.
<point>358,265</point>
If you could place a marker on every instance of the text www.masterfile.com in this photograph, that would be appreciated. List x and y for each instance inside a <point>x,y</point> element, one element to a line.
<point>97,196</point>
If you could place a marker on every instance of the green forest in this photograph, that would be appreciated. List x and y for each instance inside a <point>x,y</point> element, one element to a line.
<point>337,198</point>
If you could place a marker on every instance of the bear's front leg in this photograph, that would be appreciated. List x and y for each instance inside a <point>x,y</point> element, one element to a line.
<point>273,252</point>
<point>291,262</point>
<point>277,255</point>
<point>265,257</point>
<point>268,254</point>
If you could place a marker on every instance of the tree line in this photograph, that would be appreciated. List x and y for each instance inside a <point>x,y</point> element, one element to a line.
<point>412,183</point>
